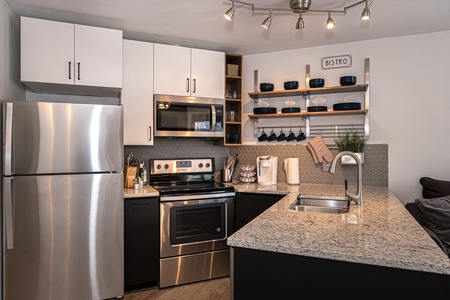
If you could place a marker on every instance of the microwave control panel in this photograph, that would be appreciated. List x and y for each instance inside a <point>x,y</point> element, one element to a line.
<point>173,166</point>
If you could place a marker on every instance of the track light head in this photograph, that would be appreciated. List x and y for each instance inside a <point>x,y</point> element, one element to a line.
<point>366,13</point>
<point>300,23</point>
<point>229,14</point>
<point>330,21</point>
<point>267,21</point>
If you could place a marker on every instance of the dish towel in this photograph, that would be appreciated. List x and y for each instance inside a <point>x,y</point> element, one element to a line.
<point>319,150</point>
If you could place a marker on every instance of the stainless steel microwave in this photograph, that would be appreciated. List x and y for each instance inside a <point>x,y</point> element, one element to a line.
<point>179,116</point>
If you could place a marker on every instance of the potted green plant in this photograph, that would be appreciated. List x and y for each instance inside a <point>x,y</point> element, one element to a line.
<point>354,141</point>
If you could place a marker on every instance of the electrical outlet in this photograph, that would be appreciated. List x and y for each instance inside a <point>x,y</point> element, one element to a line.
<point>325,167</point>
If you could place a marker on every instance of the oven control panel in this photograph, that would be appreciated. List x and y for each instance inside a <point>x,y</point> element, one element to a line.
<point>173,166</point>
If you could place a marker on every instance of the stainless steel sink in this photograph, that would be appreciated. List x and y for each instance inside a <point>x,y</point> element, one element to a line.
<point>321,203</point>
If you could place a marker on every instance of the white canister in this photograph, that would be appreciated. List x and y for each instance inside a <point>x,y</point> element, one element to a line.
<point>291,168</point>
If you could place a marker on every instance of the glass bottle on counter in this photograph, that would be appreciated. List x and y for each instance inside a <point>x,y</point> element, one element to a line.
<point>143,173</point>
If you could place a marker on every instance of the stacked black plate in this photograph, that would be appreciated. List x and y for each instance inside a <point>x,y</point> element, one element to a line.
<point>316,82</point>
<point>347,106</point>
<point>291,85</point>
<point>317,108</point>
<point>348,80</point>
<point>290,110</point>
<point>264,110</point>
<point>266,87</point>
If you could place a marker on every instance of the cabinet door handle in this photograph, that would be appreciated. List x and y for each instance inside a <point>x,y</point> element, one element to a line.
<point>79,71</point>
<point>187,81</point>
<point>149,133</point>
<point>195,86</point>
<point>70,70</point>
<point>141,203</point>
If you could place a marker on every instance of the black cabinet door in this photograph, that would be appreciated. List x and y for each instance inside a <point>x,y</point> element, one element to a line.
<point>250,205</point>
<point>141,243</point>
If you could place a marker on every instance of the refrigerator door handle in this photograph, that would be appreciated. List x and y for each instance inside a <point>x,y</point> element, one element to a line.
<point>8,212</point>
<point>8,108</point>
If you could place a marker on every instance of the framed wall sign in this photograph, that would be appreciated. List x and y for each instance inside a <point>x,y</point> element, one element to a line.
<point>334,62</point>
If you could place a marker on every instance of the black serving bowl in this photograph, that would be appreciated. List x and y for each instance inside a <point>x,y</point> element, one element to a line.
<point>291,85</point>
<point>291,110</point>
<point>266,87</point>
<point>264,110</point>
<point>316,82</point>
<point>348,80</point>
<point>347,106</point>
<point>317,108</point>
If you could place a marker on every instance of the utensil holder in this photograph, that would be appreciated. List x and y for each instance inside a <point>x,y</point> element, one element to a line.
<point>225,175</point>
<point>130,175</point>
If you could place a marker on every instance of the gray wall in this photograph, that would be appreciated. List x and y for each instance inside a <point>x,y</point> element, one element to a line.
<point>10,86</point>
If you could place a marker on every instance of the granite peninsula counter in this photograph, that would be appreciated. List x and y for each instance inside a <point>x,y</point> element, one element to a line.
<point>381,233</point>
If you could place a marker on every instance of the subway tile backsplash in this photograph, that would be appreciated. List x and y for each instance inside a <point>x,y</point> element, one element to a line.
<point>375,168</point>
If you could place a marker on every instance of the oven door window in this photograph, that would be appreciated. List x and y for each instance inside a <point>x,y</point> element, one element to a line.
<point>197,223</point>
<point>173,116</point>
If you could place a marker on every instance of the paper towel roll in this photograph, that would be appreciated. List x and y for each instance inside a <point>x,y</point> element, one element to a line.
<point>292,170</point>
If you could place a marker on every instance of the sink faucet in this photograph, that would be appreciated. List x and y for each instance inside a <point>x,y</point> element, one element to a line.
<point>358,196</point>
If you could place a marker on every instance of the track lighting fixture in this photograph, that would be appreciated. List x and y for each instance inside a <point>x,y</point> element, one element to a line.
<point>366,13</point>
<point>267,21</point>
<point>300,23</point>
<point>230,12</point>
<point>330,21</point>
<point>300,7</point>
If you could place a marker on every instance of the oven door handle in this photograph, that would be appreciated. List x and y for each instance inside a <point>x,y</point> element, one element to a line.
<point>196,196</point>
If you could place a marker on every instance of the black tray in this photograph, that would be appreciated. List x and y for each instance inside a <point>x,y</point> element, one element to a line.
<point>347,106</point>
<point>264,110</point>
<point>317,108</point>
<point>291,109</point>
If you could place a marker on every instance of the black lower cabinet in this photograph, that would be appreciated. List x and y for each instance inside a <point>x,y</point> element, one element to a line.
<point>141,243</point>
<point>250,205</point>
<point>270,275</point>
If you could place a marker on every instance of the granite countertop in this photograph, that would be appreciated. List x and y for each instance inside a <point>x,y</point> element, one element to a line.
<point>381,232</point>
<point>146,191</point>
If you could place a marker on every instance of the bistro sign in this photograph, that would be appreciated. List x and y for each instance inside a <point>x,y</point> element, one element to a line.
<point>334,62</point>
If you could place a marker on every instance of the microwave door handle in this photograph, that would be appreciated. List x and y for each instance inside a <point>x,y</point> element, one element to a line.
<point>213,118</point>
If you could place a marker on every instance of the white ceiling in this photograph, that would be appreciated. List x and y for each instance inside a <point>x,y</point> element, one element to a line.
<point>200,23</point>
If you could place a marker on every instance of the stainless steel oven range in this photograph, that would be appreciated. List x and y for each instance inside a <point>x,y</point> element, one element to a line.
<point>197,216</point>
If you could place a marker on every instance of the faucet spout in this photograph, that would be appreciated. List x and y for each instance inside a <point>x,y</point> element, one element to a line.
<point>357,197</point>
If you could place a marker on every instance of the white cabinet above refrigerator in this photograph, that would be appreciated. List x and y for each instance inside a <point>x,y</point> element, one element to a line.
<point>68,58</point>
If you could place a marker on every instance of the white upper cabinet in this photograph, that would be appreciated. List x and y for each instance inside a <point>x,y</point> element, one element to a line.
<point>137,93</point>
<point>55,53</point>
<point>188,72</point>
<point>98,56</point>
<point>207,73</point>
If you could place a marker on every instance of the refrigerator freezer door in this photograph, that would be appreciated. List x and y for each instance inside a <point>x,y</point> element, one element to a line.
<point>68,237</point>
<point>59,138</point>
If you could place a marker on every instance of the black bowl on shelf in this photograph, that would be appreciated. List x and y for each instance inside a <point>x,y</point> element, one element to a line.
<point>317,108</point>
<point>316,82</point>
<point>348,80</point>
<point>291,110</point>
<point>347,106</point>
<point>264,110</point>
<point>266,87</point>
<point>291,85</point>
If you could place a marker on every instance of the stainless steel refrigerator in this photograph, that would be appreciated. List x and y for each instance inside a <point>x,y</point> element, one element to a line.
<point>62,205</point>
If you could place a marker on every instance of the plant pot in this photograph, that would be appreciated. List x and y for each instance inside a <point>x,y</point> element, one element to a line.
<point>348,160</point>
